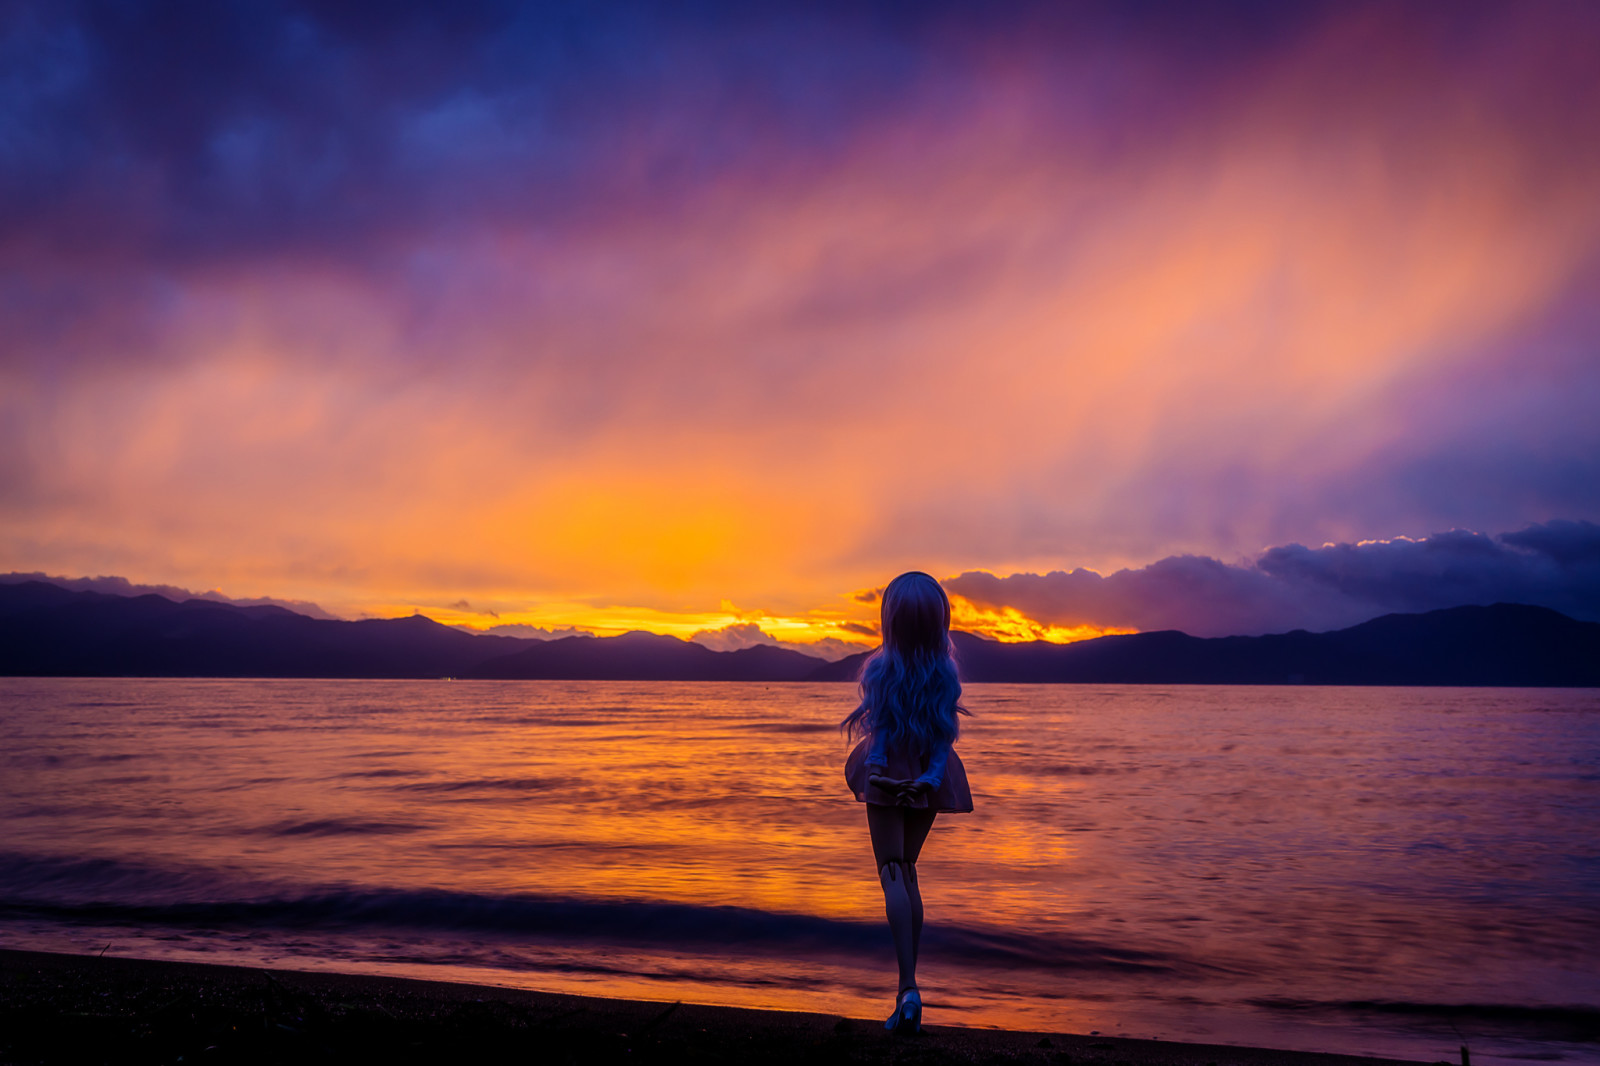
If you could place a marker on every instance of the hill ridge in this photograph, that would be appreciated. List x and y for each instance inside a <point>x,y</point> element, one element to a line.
<point>46,630</point>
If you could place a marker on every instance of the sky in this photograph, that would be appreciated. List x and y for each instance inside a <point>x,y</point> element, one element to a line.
<point>711,318</point>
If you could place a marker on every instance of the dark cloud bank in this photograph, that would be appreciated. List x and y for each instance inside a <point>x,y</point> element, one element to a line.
<point>150,141</point>
<point>1556,565</point>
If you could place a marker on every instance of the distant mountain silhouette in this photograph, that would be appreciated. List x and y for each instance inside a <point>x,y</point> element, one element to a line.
<point>1506,644</point>
<point>648,657</point>
<point>46,630</point>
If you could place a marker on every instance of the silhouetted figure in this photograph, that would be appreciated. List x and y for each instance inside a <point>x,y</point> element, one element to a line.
<point>904,767</point>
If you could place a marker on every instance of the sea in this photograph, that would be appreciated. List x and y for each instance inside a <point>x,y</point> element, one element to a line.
<point>1384,871</point>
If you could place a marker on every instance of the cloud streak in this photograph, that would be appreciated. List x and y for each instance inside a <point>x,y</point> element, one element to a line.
<point>1556,565</point>
<point>509,304</point>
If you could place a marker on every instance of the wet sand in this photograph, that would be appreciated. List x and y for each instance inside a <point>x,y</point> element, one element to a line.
<point>80,1008</point>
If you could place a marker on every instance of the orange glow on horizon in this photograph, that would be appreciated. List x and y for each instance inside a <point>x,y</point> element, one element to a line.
<point>1007,624</point>
<point>616,620</point>
<point>1010,626</point>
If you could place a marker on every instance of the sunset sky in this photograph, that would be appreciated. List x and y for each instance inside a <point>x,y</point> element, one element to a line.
<point>1226,317</point>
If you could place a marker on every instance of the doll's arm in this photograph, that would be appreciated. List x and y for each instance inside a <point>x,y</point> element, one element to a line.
<point>878,753</point>
<point>933,776</point>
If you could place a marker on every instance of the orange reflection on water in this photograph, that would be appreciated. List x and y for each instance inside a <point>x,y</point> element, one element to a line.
<point>1141,858</point>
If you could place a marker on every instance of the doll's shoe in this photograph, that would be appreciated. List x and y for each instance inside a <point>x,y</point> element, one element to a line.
<point>907,1017</point>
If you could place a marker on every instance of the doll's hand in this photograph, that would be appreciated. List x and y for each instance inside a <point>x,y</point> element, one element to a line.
<point>903,789</point>
<point>894,785</point>
<point>914,790</point>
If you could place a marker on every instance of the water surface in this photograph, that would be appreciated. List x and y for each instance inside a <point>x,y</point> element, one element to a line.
<point>1352,869</point>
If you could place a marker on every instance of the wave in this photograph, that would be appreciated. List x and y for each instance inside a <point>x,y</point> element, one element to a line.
<point>486,784</point>
<point>386,772</point>
<point>104,891</point>
<point>328,827</point>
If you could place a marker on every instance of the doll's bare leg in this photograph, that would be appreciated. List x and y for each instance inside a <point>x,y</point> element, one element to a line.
<point>897,837</point>
<point>917,824</point>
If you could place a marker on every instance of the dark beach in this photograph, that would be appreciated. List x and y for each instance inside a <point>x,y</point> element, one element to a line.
<point>80,1008</point>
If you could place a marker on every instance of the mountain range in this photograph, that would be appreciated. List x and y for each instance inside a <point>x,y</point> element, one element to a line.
<point>46,630</point>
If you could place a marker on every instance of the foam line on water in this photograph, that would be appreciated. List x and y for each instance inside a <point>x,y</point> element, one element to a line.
<point>108,891</point>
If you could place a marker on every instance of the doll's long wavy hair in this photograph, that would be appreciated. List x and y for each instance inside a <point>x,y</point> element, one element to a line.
<point>910,688</point>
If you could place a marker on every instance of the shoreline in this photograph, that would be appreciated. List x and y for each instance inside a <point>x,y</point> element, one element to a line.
<point>74,1008</point>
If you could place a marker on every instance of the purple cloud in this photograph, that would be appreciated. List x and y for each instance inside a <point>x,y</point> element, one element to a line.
<point>527,632</point>
<point>1554,564</point>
